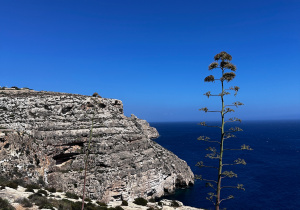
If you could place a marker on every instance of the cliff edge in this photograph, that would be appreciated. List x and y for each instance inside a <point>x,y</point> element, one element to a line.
<point>44,137</point>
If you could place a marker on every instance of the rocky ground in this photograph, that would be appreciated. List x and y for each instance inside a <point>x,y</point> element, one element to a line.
<point>15,195</point>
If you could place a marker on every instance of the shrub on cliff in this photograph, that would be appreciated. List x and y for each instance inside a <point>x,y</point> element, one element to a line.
<point>16,88</point>
<point>101,203</point>
<point>24,202</point>
<point>64,204</point>
<point>96,95</point>
<point>51,189</point>
<point>29,190</point>
<point>87,200</point>
<point>3,181</point>
<point>140,201</point>
<point>43,192</point>
<point>41,181</point>
<point>124,203</point>
<point>40,201</point>
<point>152,208</point>
<point>12,184</point>
<point>71,195</point>
<point>175,204</point>
<point>67,204</point>
<point>152,200</point>
<point>5,204</point>
<point>118,208</point>
<point>33,186</point>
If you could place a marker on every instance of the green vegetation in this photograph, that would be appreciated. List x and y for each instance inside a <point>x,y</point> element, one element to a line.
<point>71,195</point>
<point>41,181</point>
<point>67,204</point>
<point>29,190</point>
<point>44,192</point>
<point>118,208</point>
<point>96,95</point>
<point>101,203</point>
<point>152,200</point>
<point>51,189</point>
<point>175,204</point>
<point>140,201</point>
<point>222,61</point>
<point>87,200</point>
<point>40,197</point>
<point>12,184</point>
<point>16,172</point>
<point>151,208</point>
<point>41,201</point>
<point>124,203</point>
<point>16,88</point>
<point>24,202</point>
<point>31,187</point>
<point>5,205</point>
<point>3,181</point>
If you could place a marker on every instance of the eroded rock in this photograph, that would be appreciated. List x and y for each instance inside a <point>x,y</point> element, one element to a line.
<point>44,137</point>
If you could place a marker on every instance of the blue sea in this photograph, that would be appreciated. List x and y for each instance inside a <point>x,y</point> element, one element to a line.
<point>272,174</point>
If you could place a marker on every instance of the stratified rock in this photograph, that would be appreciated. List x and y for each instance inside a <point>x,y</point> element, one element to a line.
<point>44,138</point>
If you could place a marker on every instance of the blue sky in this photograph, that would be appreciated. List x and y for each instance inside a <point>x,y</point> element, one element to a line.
<point>153,55</point>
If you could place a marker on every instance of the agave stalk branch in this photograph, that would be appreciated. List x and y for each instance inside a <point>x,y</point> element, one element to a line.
<point>228,198</point>
<point>211,141</point>
<point>228,187</point>
<point>201,165</point>
<point>207,180</point>
<point>239,187</point>
<point>204,124</point>
<point>208,184</point>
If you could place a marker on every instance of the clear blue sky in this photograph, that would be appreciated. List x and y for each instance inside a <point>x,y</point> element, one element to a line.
<point>153,54</point>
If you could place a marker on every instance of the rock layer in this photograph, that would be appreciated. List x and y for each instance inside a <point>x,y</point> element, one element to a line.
<point>44,138</point>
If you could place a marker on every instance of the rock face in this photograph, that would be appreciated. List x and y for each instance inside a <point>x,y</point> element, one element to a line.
<point>45,135</point>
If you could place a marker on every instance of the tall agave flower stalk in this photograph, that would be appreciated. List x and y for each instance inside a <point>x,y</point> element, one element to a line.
<point>86,163</point>
<point>222,62</point>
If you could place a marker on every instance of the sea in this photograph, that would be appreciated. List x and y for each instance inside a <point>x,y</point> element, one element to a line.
<point>271,177</point>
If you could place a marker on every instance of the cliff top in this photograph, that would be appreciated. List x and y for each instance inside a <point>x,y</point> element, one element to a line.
<point>50,136</point>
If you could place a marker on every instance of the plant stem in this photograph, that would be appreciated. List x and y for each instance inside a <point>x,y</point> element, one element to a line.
<point>221,152</point>
<point>86,162</point>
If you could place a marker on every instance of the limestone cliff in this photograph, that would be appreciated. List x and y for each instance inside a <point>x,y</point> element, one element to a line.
<point>44,137</point>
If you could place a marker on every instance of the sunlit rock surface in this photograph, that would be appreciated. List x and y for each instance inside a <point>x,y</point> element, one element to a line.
<point>44,137</point>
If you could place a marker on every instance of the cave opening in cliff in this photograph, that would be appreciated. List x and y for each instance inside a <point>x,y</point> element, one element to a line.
<point>64,157</point>
<point>101,105</point>
<point>6,145</point>
<point>180,183</point>
<point>66,109</point>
